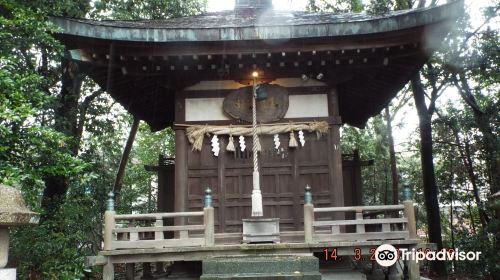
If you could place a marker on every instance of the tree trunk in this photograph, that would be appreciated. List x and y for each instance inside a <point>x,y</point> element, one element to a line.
<point>65,121</point>
<point>465,155</point>
<point>83,108</point>
<point>452,197</point>
<point>123,162</point>
<point>475,189</point>
<point>429,180</point>
<point>392,156</point>
<point>491,143</point>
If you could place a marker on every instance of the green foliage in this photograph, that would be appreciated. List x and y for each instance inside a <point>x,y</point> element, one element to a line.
<point>155,9</point>
<point>31,149</point>
<point>459,140</point>
<point>371,143</point>
<point>56,248</point>
<point>489,261</point>
<point>139,184</point>
<point>379,7</point>
<point>336,6</point>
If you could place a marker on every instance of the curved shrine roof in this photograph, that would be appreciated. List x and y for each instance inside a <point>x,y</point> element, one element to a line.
<point>255,24</point>
<point>368,59</point>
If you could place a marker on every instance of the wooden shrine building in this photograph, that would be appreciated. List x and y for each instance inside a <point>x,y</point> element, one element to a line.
<point>312,73</point>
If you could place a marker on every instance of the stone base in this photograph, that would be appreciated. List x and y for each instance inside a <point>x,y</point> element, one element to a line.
<point>8,273</point>
<point>261,230</point>
<point>395,272</point>
<point>304,267</point>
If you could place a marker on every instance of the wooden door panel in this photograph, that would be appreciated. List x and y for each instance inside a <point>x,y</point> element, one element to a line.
<point>284,174</point>
<point>315,151</point>
<point>285,184</point>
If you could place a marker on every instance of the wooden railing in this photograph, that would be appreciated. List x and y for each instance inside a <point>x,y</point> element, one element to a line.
<point>131,231</point>
<point>365,226</point>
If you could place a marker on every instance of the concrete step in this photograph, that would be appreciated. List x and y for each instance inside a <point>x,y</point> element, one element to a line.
<point>342,275</point>
<point>262,267</point>
<point>263,276</point>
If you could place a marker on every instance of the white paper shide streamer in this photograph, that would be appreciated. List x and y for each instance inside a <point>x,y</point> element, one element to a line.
<point>242,143</point>
<point>302,140</point>
<point>215,145</point>
<point>276,141</point>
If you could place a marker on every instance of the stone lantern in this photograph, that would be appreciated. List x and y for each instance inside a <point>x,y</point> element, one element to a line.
<point>13,212</point>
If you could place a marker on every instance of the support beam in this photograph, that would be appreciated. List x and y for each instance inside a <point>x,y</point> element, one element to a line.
<point>123,162</point>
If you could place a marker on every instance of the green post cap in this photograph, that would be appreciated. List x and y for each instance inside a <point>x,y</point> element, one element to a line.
<point>208,197</point>
<point>407,192</point>
<point>111,201</point>
<point>308,195</point>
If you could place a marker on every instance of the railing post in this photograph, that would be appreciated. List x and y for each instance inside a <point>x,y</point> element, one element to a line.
<point>308,215</point>
<point>109,222</point>
<point>359,216</point>
<point>133,236</point>
<point>409,212</point>
<point>159,223</point>
<point>208,216</point>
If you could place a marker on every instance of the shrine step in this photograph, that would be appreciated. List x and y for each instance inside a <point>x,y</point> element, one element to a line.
<point>276,267</point>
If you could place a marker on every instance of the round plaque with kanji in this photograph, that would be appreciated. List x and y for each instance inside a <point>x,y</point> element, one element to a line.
<point>272,103</point>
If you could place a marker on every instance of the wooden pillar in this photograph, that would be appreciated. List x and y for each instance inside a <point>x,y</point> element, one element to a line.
<point>358,191</point>
<point>146,271</point>
<point>335,156</point>
<point>166,190</point>
<point>130,271</point>
<point>161,204</point>
<point>181,150</point>
<point>296,187</point>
